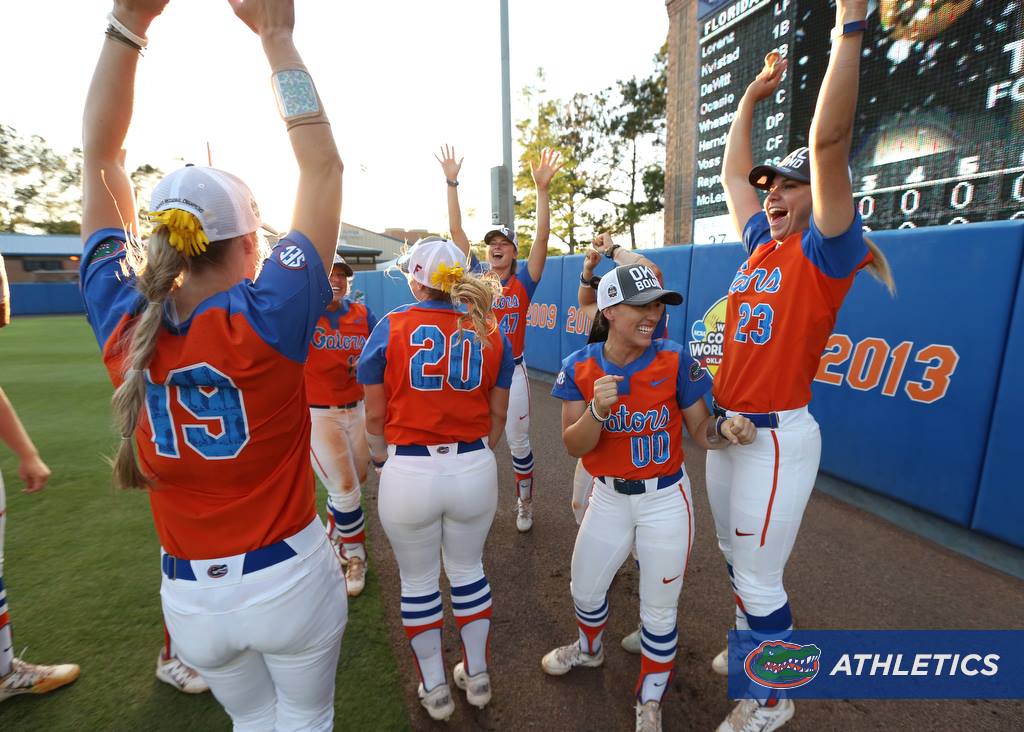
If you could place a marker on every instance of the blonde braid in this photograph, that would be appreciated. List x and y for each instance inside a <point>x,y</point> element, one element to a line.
<point>477,294</point>
<point>157,278</point>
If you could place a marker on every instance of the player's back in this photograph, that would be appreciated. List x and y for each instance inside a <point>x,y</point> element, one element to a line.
<point>225,430</point>
<point>436,372</point>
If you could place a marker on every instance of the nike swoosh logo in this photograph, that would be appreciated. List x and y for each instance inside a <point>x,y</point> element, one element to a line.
<point>659,381</point>
<point>524,416</point>
<point>657,684</point>
<point>743,533</point>
<point>670,581</point>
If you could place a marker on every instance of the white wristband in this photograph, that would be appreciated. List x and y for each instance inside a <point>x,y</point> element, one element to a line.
<point>126,31</point>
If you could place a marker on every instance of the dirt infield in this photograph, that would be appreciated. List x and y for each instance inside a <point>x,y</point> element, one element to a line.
<point>849,569</point>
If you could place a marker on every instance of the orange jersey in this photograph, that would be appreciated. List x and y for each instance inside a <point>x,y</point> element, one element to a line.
<point>643,437</point>
<point>338,339</point>
<point>437,380</point>
<point>781,309</point>
<point>224,432</point>
<point>511,307</point>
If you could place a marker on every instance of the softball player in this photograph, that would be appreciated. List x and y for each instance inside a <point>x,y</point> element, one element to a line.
<point>511,306</point>
<point>625,402</point>
<point>805,246</point>
<point>207,360</point>
<point>338,448</point>
<point>17,676</point>
<point>436,375</point>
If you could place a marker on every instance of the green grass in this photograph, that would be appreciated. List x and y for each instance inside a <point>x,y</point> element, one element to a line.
<point>82,568</point>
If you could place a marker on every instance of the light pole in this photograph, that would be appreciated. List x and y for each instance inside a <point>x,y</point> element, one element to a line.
<point>502,192</point>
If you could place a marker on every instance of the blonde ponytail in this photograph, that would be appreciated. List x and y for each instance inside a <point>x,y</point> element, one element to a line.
<point>879,267</point>
<point>477,294</point>
<point>156,280</point>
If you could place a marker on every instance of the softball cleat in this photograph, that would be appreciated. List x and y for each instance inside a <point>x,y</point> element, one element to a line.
<point>32,678</point>
<point>477,688</point>
<point>564,658</point>
<point>720,663</point>
<point>175,672</point>
<point>750,716</point>
<point>631,643</point>
<point>355,576</point>
<point>438,702</point>
<point>648,717</point>
<point>524,514</point>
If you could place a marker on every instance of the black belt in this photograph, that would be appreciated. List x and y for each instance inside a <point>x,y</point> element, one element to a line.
<point>639,486</point>
<point>764,420</point>
<point>424,451</point>
<point>517,360</point>
<point>350,405</point>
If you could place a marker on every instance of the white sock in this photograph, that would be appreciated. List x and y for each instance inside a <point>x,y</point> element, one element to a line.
<point>654,687</point>
<point>474,643</point>
<point>427,647</point>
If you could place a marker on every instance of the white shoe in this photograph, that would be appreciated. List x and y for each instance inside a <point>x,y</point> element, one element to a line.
<point>438,702</point>
<point>648,717</point>
<point>355,576</point>
<point>180,675</point>
<point>720,663</point>
<point>564,658</point>
<point>524,514</point>
<point>32,678</point>
<point>477,688</point>
<point>749,716</point>
<point>631,643</point>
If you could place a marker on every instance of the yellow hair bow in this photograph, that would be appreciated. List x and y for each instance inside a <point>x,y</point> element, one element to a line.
<point>186,233</point>
<point>445,278</point>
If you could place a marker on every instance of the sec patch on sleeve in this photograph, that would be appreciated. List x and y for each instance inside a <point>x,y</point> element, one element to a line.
<point>561,378</point>
<point>290,257</point>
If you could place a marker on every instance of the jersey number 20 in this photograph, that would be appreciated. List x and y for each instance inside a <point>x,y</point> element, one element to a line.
<point>464,356</point>
<point>208,395</point>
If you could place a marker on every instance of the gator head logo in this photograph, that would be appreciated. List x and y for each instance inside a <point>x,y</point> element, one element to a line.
<point>707,338</point>
<point>779,665</point>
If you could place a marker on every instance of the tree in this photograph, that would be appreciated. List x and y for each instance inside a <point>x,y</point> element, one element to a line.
<point>39,188</point>
<point>636,132</point>
<point>574,129</point>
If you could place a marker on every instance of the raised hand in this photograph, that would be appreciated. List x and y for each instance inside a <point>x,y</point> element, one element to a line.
<point>266,17</point>
<point>606,394</point>
<point>449,165</point>
<point>768,79</point>
<point>591,258</point>
<point>602,242</point>
<point>545,169</point>
<point>138,14</point>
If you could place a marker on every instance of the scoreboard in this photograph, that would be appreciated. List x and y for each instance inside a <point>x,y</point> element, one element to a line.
<point>939,130</point>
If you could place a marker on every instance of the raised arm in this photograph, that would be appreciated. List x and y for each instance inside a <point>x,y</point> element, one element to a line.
<point>832,125</point>
<point>318,199</point>
<point>543,171</point>
<point>740,196</point>
<point>5,296</point>
<point>107,196</point>
<point>587,295</point>
<point>451,169</point>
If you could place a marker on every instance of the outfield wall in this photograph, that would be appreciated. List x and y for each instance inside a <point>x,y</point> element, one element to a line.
<point>47,298</point>
<point>916,395</point>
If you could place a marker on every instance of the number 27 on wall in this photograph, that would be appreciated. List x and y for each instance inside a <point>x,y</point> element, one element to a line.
<point>868,362</point>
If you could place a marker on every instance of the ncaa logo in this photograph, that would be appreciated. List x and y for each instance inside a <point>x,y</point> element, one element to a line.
<point>292,257</point>
<point>215,571</point>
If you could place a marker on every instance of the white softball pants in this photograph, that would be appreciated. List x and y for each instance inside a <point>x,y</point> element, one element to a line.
<point>517,423</point>
<point>434,508</point>
<point>758,493</point>
<point>661,524</point>
<point>338,449</point>
<point>267,642</point>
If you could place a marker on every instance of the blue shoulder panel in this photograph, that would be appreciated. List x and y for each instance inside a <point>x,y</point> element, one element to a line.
<point>523,275</point>
<point>108,287</point>
<point>837,256</point>
<point>289,296</point>
<point>374,358</point>
<point>565,383</point>
<point>756,232</point>
<point>508,365</point>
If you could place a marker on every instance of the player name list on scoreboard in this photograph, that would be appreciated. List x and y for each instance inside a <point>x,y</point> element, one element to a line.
<point>733,41</point>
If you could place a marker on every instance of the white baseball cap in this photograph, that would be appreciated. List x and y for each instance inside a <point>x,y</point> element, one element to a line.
<point>426,256</point>
<point>223,204</point>
<point>339,261</point>
<point>633,284</point>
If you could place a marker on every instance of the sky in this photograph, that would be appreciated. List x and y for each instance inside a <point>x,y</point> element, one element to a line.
<point>397,79</point>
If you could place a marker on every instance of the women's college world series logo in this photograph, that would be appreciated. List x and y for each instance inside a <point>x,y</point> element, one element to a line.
<point>707,338</point>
